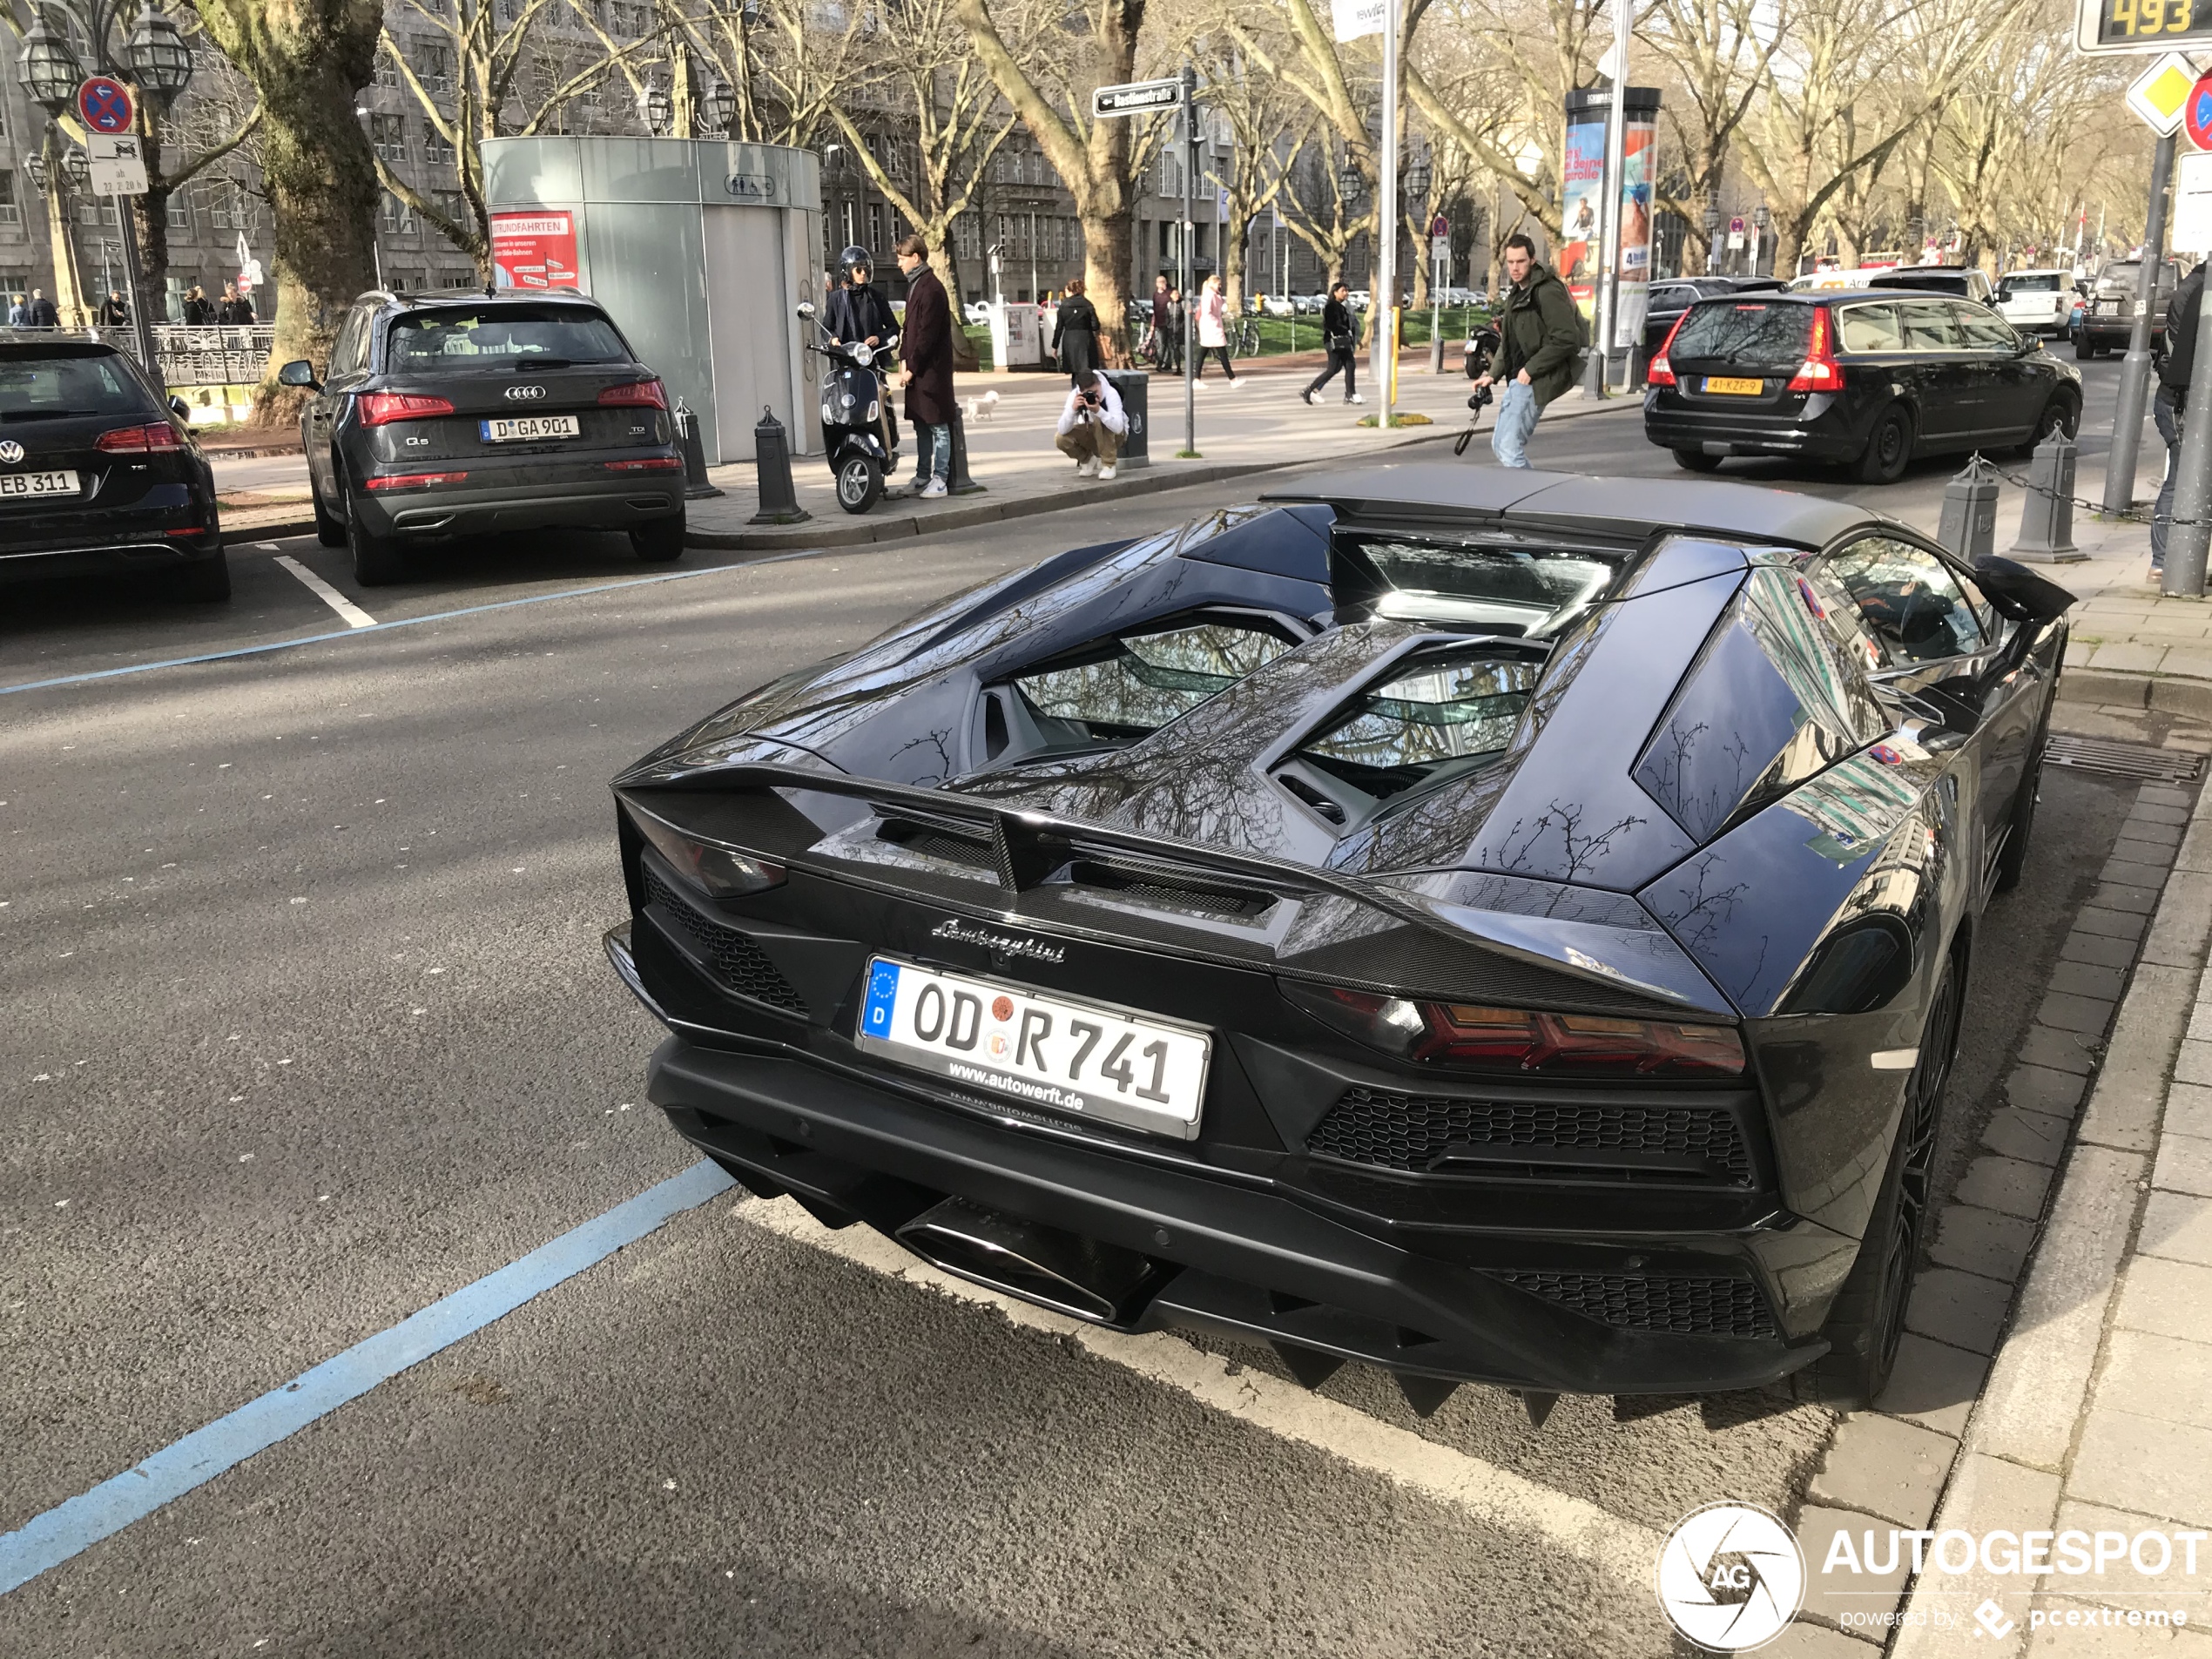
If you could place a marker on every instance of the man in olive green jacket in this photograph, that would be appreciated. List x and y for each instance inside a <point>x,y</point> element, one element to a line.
<point>1540,347</point>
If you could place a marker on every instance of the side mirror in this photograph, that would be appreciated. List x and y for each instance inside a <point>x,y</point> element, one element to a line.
<point>2018,592</point>
<point>806,309</point>
<point>181,409</point>
<point>299,371</point>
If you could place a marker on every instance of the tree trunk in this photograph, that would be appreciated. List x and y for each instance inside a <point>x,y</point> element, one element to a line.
<point>308,60</point>
<point>151,212</point>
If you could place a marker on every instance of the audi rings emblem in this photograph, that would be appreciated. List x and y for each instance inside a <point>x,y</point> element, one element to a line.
<point>524,393</point>
<point>10,452</point>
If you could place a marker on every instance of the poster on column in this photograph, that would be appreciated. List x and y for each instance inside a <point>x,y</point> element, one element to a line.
<point>1581,191</point>
<point>1639,151</point>
<point>535,250</point>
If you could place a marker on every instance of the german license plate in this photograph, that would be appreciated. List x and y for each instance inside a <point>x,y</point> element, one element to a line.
<point>1734,385</point>
<point>524,428</point>
<point>1087,1059</point>
<point>13,484</point>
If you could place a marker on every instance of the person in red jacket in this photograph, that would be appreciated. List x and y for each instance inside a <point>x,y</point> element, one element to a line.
<point>926,346</point>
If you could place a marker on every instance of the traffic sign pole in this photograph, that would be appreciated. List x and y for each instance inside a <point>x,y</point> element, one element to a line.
<point>2135,368</point>
<point>1189,299</point>
<point>2190,536</point>
<point>109,112</point>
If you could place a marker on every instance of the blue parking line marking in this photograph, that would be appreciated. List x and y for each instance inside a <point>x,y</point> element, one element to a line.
<point>408,622</point>
<point>47,1540</point>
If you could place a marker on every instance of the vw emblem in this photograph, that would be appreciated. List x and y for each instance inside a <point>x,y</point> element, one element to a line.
<point>524,393</point>
<point>10,452</point>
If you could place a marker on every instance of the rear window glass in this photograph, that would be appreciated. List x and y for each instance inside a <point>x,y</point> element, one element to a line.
<point>2047,283</point>
<point>1124,688</point>
<point>1749,331</point>
<point>1508,589</point>
<point>1431,719</point>
<point>48,388</point>
<point>451,340</point>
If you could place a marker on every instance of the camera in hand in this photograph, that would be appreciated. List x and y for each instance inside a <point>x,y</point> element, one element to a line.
<point>1482,350</point>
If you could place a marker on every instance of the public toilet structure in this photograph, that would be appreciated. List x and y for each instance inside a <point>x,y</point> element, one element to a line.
<point>700,249</point>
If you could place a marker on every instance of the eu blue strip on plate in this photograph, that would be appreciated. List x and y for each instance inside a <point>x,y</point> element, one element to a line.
<point>47,1540</point>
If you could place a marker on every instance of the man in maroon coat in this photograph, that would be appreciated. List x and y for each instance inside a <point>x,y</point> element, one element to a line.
<point>925,346</point>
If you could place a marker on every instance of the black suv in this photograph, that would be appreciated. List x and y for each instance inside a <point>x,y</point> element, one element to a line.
<point>462,412</point>
<point>99,473</point>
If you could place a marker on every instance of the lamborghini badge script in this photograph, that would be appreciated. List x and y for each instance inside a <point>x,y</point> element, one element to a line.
<point>998,944</point>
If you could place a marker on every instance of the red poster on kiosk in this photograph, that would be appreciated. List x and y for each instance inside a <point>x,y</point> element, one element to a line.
<point>535,250</point>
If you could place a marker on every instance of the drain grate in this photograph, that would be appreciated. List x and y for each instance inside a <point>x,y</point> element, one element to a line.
<point>2123,759</point>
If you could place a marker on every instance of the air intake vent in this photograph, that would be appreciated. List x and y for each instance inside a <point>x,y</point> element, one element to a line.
<point>1685,1307</point>
<point>738,963</point>
<point>932,842</point>
<point>1438,1133</point>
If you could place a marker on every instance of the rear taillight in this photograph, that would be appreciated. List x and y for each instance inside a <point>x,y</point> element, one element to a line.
<point>635,395</point>
<point>1820,371</point>
<point>1521,1039</point>
<point>139,440</point>
<point>382,408</point>
<point>1662,372</point>
<point>725,871</point>
<point>648,463</point>
<point>413,480</point>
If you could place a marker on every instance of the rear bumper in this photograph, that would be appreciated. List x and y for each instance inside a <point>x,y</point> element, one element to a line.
<point>1232,1254</point>
<point>128,555</point>
<point>613,503</point>
<point>1821,431</point>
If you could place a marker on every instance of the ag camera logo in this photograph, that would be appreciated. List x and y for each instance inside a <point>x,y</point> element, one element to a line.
<point>1730,1577</point>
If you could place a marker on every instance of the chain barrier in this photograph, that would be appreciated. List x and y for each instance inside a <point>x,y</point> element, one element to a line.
<point>2127,515</point>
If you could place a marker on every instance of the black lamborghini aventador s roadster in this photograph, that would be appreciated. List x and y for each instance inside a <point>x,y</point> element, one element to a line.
<point>1497,925</point>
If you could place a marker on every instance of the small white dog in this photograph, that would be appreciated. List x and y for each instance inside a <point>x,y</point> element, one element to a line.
<point>979,408</point>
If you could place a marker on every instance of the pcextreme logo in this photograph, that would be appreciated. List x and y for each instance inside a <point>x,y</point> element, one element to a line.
<point>1730,1577</point>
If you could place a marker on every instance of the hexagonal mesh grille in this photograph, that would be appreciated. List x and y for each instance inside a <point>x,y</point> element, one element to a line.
<point>1411,1131</point>
<point>1690,1307</point>
<point>738,963</point>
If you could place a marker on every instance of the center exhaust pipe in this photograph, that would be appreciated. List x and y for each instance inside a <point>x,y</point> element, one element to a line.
<point>1062,1270</point>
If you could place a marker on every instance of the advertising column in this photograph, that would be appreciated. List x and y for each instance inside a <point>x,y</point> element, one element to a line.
<point>1578,258</point>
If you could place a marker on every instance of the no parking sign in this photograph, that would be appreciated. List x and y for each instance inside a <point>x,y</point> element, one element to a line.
<point>105,106</point>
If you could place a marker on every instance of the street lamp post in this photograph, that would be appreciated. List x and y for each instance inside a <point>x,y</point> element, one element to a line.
<point>1712,237</point>
<point>153,58</point>
<point>1761,218</point>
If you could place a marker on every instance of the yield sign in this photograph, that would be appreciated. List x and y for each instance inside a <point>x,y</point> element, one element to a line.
<point>105,104</point>
<point>2160,93</point>
<point>2196,113</point>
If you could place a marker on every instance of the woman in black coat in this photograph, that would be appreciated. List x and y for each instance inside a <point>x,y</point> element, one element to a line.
<point>1341,336</point>
<point>1074,340</point>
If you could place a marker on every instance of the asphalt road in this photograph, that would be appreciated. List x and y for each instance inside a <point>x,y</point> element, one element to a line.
<point>307,1026</point>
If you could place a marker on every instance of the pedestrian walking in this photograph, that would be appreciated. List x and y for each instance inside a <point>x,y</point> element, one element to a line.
<point>113,313</point>
<point>18,312</point>
<point>926,346</point>
<point>2167,407</point>
<point>1075,336</point>
<point>1163,322</point>
<point>1213,328</point>
<point>1342,339</point>
<point>40,313</point>
<point>1540,340</point>
<point>1178,331</point>
<point>1092,426</point>
<point>199,310</point>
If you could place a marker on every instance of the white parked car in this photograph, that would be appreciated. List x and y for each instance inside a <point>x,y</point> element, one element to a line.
<point>1359,298</point>
<point>977,311</point>
<point>2037,301</point>
<point>1278,306</point>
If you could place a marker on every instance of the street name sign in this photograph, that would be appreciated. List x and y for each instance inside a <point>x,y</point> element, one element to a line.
<point>2141,25</point>
<point>2160,94</point>
<point>105,104</point>
<point>1136,98</point>
<point>119,165</point>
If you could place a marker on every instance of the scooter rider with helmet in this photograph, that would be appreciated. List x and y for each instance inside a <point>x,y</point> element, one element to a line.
<point>858,315</point>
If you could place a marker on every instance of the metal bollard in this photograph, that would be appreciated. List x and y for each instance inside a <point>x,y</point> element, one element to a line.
<point>696,487</point>
<point>2046,515</point>
<point>771,462</point>
<point>957,482</point>
<point>1970,512</point>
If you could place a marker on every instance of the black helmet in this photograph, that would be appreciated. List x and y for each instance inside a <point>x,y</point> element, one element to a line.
<point>854,258</point>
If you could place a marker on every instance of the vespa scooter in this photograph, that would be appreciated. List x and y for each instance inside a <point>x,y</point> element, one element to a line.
<point>854,433</point>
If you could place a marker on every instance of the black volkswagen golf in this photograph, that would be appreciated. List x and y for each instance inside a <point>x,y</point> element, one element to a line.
<point>1868,380</point>
<point>100,475</point>
<point>466,413</point>
<point>1494,925</point>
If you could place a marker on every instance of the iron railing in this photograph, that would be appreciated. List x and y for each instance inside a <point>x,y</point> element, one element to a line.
<point>188,355</point>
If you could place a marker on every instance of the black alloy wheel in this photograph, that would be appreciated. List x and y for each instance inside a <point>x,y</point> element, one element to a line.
<point>2084,347</point>
<point>1889,449</point>
<point>1867,1322</point>
<point>378,560</point>
<point>660,542</point>
<point>1697,461</point>
<point>206,581</point>
<point>859,483</point>
<point>2012,858</point>
<point>330,530</point>
<point>2059,414</point>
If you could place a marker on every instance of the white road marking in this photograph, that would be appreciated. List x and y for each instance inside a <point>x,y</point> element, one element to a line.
<point>354,615</point>
<point>267,547</point>
<point>1494,1496</point>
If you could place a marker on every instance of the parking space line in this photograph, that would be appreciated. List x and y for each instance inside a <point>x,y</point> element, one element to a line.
<point>354,615</point>
<point>48,1539</point>
<point>1496,1497</point>
<point>411,622</point>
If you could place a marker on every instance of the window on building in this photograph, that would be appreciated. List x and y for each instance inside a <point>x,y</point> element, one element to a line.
<point>387,136</point>
<point>399,217</point>
<point>464,277</point>
<point>178,212</point>
<point>387,69</point>
<point>229,208</point>
<point>437,152</point>
<point>10,213</point>
<point>434,65</point>
<point>453,204</point>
